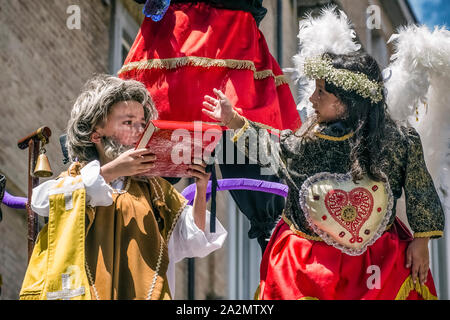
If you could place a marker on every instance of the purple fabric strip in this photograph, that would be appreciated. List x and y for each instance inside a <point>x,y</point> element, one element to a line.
<point>239,184</point>
<point>14,202</point>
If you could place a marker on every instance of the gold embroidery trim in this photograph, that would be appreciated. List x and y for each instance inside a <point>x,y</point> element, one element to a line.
<point>173,63</point>
<point>409,286</point>
<point>428,234</point>
<point>264,126</point>
<point>239,134</point>
<point>331,138</point>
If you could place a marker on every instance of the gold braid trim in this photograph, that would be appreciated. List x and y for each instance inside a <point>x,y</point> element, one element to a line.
<point>428,234</point>
<point>91,280</point>
<point>308,298</point>
<point>173,63</point>
<point>264,126</point>
<point>409,286</point>
<point>331,138</point>
<point>239,134</point>
<point>161,248</point>
<point>247,125</point>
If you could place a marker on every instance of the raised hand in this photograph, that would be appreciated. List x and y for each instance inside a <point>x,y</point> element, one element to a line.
<point>219,108</point>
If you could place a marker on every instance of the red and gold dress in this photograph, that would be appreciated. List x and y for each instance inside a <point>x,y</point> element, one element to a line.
<point>338,240</point>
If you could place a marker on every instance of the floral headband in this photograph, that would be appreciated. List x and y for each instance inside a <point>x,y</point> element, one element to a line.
<point>322,68</point>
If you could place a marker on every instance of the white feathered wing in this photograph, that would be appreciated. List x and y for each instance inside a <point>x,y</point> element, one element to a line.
<point>418,91</point>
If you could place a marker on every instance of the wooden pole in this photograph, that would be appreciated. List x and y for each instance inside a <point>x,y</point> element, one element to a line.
<point>32,142</point>
<point>32,219</point>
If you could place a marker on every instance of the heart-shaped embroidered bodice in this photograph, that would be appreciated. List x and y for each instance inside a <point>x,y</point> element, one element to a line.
<point>346,215</point>
<point>350,209</point>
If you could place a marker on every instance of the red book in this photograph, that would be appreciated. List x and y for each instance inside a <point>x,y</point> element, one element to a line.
<point>177,143</point>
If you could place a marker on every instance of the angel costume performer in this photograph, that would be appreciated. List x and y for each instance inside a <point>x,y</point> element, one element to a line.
<point>338,239</point>
<point>299,264</point>
<point>119,242</point>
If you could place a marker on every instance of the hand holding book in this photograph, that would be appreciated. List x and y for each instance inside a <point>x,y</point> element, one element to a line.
<point>129,163</point>
<point>175,145</point>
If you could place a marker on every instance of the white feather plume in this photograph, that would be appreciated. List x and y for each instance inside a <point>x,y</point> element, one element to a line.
<point>418,55</point>
<point>419,82</point>
<point>330,32</point>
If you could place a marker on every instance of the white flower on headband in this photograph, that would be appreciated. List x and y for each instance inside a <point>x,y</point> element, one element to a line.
<point>322,68</point>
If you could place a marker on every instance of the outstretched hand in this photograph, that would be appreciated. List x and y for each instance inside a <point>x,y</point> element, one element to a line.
<point>219,108</point>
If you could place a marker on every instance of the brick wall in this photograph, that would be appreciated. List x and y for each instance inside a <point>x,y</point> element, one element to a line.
<point>43,66</point>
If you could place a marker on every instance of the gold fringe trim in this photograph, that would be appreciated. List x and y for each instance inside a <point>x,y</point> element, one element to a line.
<point>299,233</point>
<point>409,286</point>
<point>428,234</point>
<point>309,298</point>
<point>239,134</point>
<point>173,63</point>
<point>259,75</point>
<point>331,138</point>
<point>279,80</point>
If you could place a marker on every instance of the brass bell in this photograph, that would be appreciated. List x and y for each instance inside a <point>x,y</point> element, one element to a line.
<point>42,169</point>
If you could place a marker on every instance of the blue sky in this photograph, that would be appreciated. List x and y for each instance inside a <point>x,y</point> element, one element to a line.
<point>432,12</point>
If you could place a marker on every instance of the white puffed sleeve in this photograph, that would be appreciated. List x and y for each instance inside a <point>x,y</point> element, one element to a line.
<point>39,197</point>
<point>98,192</point>
<point>188,241</point>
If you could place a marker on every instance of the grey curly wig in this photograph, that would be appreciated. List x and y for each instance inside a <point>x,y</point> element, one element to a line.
<point>92,107</point>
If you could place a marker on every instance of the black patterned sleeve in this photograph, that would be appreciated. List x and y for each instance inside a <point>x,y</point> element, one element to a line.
<point>264,146</point>
<point>423,206</point>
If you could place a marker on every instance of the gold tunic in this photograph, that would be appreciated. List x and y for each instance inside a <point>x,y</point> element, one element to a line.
<point>126,247</point>
<point>119,251</point>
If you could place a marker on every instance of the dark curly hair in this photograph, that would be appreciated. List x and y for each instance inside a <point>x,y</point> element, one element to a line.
<point>365,118</point>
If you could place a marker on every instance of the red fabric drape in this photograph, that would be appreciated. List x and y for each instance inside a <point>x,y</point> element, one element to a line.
<point>196,48</point>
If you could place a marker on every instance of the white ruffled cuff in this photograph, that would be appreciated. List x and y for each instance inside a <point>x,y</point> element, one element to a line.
<point>191,241</point>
